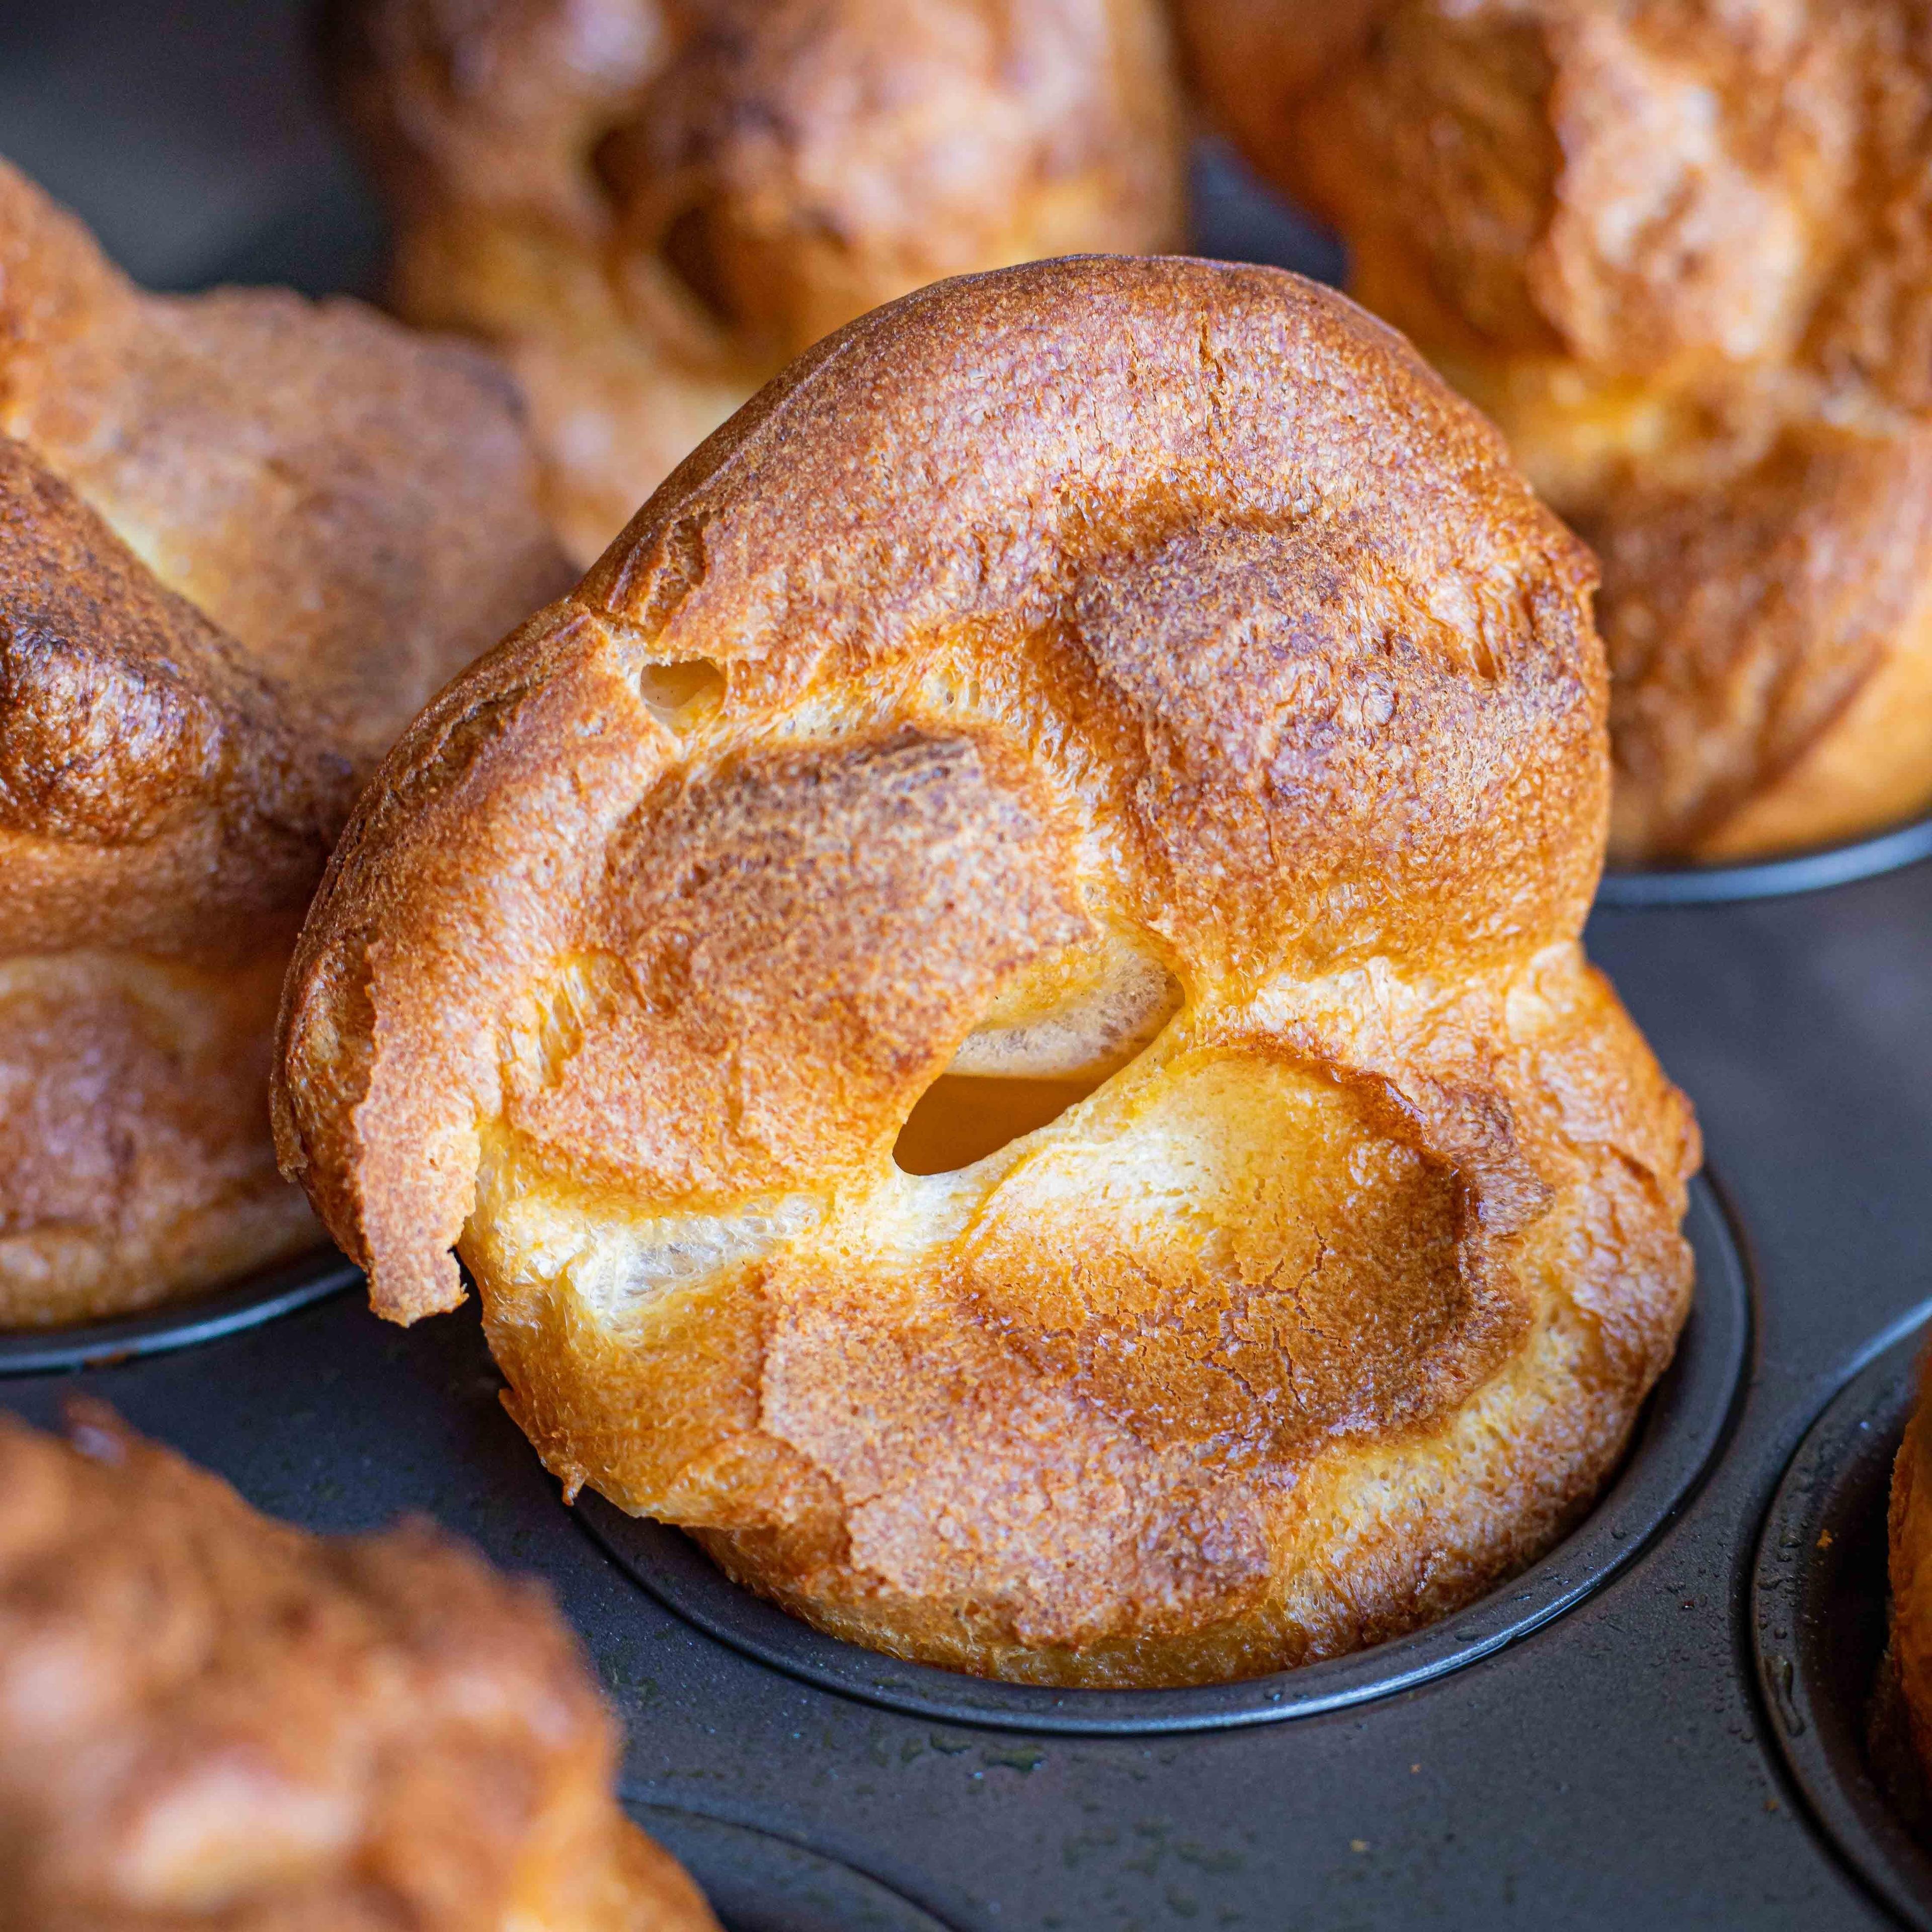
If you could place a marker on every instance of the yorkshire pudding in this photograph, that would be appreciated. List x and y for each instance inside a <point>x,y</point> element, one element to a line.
<point>1121,732</point>
<point>1682,254</point>
<point>649,206</point>
<point>209,1718</point>
<point>242,539</point>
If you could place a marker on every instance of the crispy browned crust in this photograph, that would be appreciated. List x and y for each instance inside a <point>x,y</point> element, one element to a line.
<point>1771,668</point>
<point>1682,254</point>
<point>242,538</point>
<point>209,1717</point>
<point>156,791</point>
<point>1157,605</point>
<point>650,206</point>
<point>1255,62</point>
<point>351,503</point>
<point>134,1159</point>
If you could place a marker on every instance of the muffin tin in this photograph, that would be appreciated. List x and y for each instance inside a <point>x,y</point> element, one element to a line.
<point>257,1297</point>
<point>1825,866</point>
<point>757,1883</point>
<point>1819,1608</point>
<point>1611,1737</point>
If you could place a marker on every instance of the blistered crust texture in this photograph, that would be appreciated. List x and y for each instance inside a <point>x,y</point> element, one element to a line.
<point>243,538</point>
<point>1682,254</point>
<point>650,206</point>
<point>208,1718</point>
<point>1138,683</point>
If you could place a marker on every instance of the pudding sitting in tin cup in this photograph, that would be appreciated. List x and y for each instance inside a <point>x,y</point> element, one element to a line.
<point>995,1007</point>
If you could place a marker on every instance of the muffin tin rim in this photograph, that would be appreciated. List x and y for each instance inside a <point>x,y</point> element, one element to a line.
<point>1817,869</point>
<point>650,1811</point>
<point>1705,1383</point>
<point>262,1295</point>
<point>1804,1722</point>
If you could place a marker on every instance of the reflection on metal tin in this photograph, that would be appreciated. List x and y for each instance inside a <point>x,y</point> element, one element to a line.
<point>758,1882</point>
<point>1685,1421</point>
<point>1818,1615</point>
<point>246,1303</point>
<point>1770,878</point>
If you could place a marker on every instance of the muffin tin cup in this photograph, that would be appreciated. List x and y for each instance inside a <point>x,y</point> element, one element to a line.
<point>1811,871</point>
<point>256,1298</point>
<point>1819,1612</point>
<point>757,1882</point>
<point>1683,1425</point>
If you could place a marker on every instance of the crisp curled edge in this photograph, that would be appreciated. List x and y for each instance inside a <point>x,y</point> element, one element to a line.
<point>948,454</point>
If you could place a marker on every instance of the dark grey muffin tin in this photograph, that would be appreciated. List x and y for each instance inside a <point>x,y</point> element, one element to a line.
<point>1599,1743</point>
<point>1811,871</point>
<point>1819,1610</point>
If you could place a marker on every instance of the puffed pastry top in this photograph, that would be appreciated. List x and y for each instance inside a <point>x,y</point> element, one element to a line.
<point>243,538</point>
<point>650,206</point>
<point>1681,251</point>
<point>349,502</point>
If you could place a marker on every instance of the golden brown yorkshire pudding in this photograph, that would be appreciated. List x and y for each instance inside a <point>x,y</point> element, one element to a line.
<point>1682,254</point>
<point>208,1718</point>
<point>650,206</point>
<point>1121,733</point>
<point>242,539</point>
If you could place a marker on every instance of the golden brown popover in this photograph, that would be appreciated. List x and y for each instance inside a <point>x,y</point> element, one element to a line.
<point>1682,252</point>
<point>650,206</point>
<point>242,538</point>
<point>994,1005</point>
<point>210,1719</point>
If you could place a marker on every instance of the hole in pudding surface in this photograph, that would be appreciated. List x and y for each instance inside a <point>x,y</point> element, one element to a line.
<point>962,1117</point>
<point>1053,1035</point>
<point>690,250</point>
<point>675,694</point>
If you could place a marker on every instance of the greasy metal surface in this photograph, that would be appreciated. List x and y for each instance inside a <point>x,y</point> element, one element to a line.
<point>1818,1609</point>
<point>759,1883</point>
<point>1614,1767</point>
<point>259,1297</point>
<point>1684,1424</point>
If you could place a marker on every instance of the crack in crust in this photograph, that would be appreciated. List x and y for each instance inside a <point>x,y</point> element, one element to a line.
<point>1097,609</point>
<point>1682,254</point>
